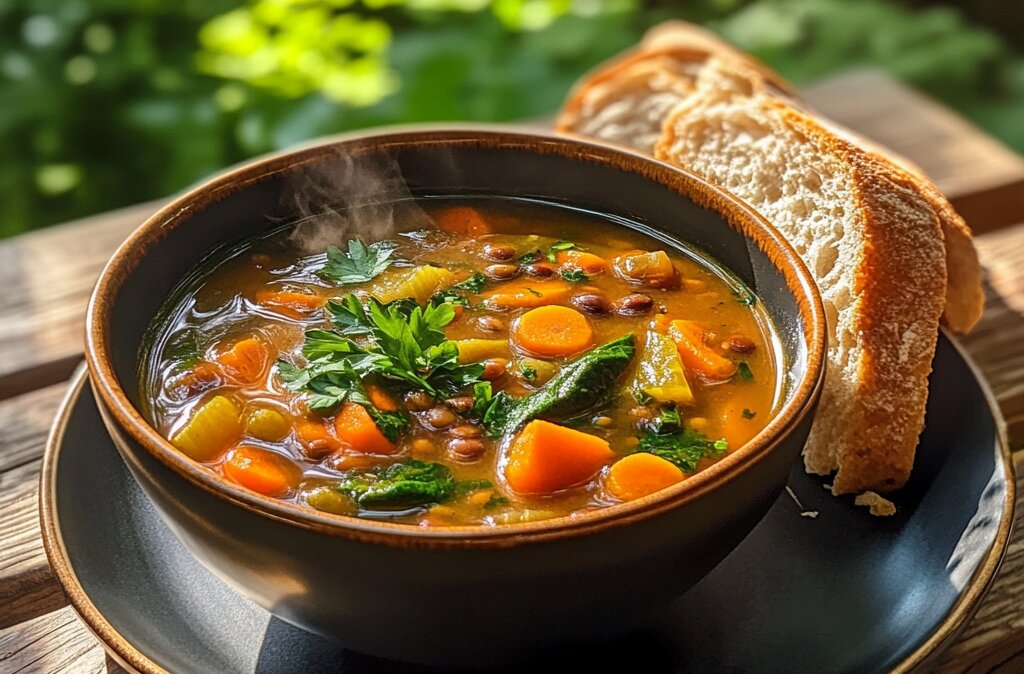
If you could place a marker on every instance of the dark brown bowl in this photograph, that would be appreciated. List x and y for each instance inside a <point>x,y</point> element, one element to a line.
<point>457,595</point>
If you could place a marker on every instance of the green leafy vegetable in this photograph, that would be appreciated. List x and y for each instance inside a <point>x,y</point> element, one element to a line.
<point>529,373</point>
<point>483,392</point>
<point>391,424</point>
<point>456,294</point>
<point>578,386</point>
<point>400,485</point>
<point>683,447</point>
<point>473,284</point>
<point>743,371</point>
<point>496,501</point>
<point>360,264</point>
<point>748,414</point>
<point>575,275</point>
<point>552,254</point>
<point>530,257</point>
<point>406,485</point>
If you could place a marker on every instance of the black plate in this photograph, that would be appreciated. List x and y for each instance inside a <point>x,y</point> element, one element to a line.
<point>842,592</point>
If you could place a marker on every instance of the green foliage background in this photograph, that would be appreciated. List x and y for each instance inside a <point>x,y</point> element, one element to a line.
<point>105,103</point>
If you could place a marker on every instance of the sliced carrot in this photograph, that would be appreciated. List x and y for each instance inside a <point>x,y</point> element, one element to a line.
<point>315,438</point>
<point>553,331</point>
<point>380,398</point>
<point>578,259</point>
<point>698,356</point>
<point>356,428</point>
<point>291,304</point>
<point>202,376</point>
<point>462,220</point>
<point>641,474</point>
<point>247,360</point>
<point>528,294</point>
<point>262,471</point>
<point>547,458</point>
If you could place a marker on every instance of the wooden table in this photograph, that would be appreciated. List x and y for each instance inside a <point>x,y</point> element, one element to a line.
<point>46,277</point>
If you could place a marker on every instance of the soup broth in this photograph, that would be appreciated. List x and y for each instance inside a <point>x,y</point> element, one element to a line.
<point>491,361</point>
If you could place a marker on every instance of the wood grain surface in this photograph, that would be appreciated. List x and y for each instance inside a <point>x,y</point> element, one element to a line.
<point>47,276</point>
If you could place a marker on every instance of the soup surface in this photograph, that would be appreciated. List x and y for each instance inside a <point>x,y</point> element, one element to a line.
<point>481,361</point>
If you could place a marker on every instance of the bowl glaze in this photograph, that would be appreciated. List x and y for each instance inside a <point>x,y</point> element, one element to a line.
<point>456,595</point>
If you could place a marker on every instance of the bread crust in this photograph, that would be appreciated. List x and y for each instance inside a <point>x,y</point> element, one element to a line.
<point>674,43</point>
<point>899,286</point>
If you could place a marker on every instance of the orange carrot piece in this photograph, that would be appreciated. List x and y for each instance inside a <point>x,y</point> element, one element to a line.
<point>247,360</point>
<point>526,295</point>
<point>356,428</point>
<point>262,471</point>
<point>316,440</point>
<point>291,304</point>
<point>462,220</point>
<point>547,458</point>
<point>696,355</point>
<point>641,474</point>
<point>578,259</point>
<point>553,331</point>
<point>202,376</point>
<point>380,398</point>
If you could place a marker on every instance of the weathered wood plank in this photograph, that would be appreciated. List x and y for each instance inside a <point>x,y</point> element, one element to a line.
<point>982,177</point>
<point>47,277</point>
<point>53,643</point>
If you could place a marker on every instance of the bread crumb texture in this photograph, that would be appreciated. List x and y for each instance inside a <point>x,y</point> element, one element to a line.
<point>877,505</point>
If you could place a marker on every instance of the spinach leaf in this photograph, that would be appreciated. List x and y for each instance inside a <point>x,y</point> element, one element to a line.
<point>575,275</point>
<point>578,386</point>
<point>360,264</point>
<point>683,447</point>
<point>405,485</point>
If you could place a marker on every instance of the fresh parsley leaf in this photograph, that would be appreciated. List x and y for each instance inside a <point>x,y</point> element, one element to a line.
<point>473,284</point>
<point>530,257</point>
<point>529,373</point>
<point>360,264</point>
<point>685,448</point>
<point>391,424</point>
<point>743,371</point>
<point>575,275</point>
<point>552,254</point>
<point>483,392</point>
<point>449,296</point>
<point>744,297</point>
<point>747,414</point>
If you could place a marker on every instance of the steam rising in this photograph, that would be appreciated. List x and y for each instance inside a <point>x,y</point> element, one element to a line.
<point>347,198</point>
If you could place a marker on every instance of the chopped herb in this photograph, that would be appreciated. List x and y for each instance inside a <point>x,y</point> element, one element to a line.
<point>534,292</point>
<point>400,485</point>
<point>555,248</point>
<point>451,297</point>
<point>482,395</point>
<point>743,371</point>
<point>578,387</point>
<point>391,424</point>
<point>529,257</point>
<point>575,275</point>
<point>360,264</point>
<point>496,501</point>
<point>747,414</point>
<point>529,373</point>
<point>744,297</point>
<point>473,284</point>
<point>642,396</point>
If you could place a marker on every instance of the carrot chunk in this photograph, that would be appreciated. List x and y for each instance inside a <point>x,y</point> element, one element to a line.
<point>462,220</point>
<point>547,458</point>
<point>696,355</point>
<point>578,259</point>
<point>553,331</point>
<point>247,360</point>
<point>291,304</point>
<point>357,429</point>
<point>262,471</point>
<point>380,398</point>
<point>527,295</point>
<point>641,474</point>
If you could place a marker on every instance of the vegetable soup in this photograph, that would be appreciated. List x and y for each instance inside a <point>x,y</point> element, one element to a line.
<point>492,361</point>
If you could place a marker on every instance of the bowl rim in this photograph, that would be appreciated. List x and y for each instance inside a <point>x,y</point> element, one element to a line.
<point>736,213</point>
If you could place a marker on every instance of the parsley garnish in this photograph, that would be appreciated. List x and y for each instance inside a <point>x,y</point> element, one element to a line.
<point>455,294</point>
<point>529,257</point>
<point>557,247</point>
<point>482,394</point>
<point>665,437</point>
<point>473,284</point>
<point>747,414</point>
<point>575,275</point>
<point>399,341</point>
<point>529,373</point>
<point>360,264</point>
<point>743,371</point>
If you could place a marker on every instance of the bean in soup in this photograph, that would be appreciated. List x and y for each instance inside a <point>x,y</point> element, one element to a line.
<point>514,361</point>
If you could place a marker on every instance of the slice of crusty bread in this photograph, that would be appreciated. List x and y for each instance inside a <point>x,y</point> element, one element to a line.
<point>870,238</point>
<point>627,101</point>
